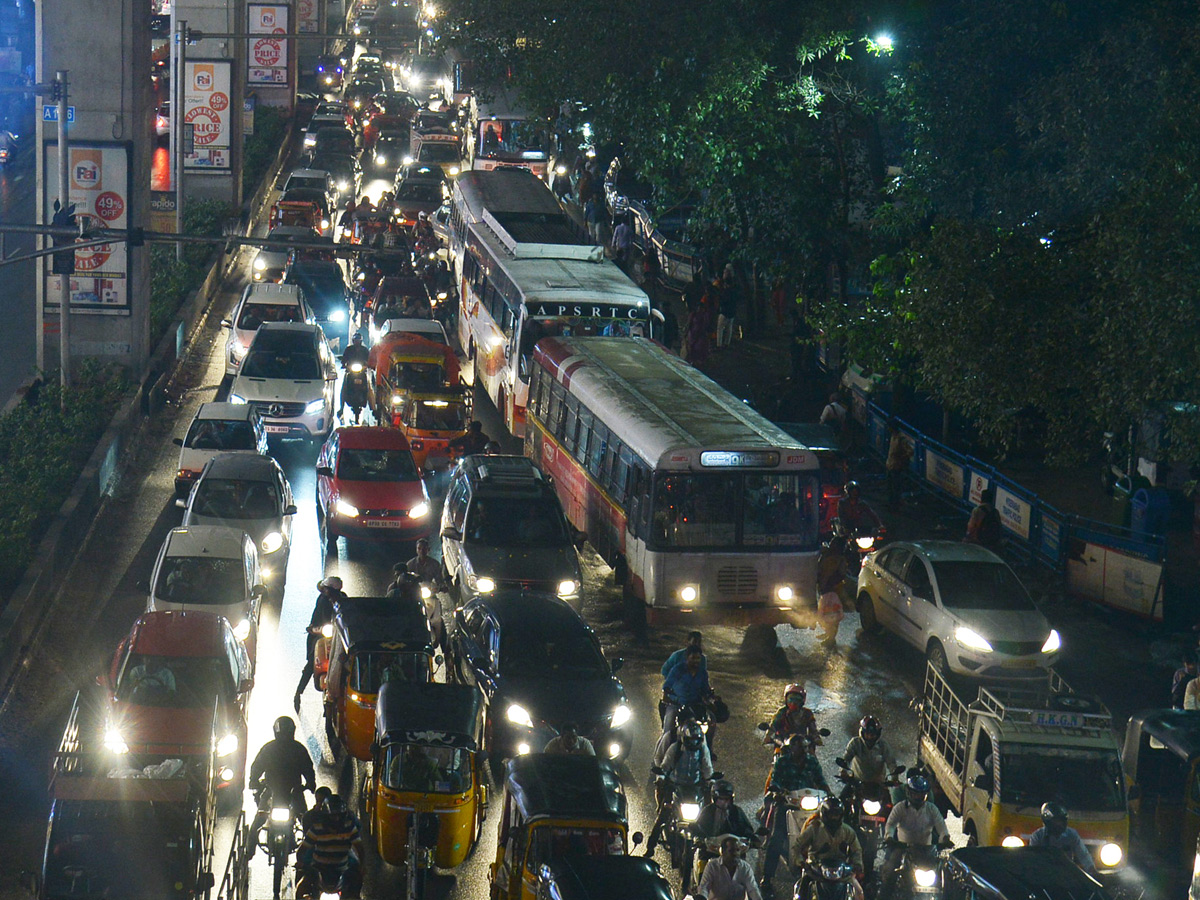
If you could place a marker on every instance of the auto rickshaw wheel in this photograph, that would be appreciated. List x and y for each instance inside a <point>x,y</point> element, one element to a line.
<point>335,745</point>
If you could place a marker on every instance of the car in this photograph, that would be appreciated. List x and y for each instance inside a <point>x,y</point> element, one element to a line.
<point>333,139</point>
<point>270,261</point>
<point>369,488</point>
<point>389,151</point>
<point>214,569</point>
<point>959,604</point>
<point>162,120</point>
<point>289,375</point>
<point>329,119</point>
<point>430,329</point>
<point>329,72</point>
<point>539,667</point>
<point>216,428</point>
<point>503,527</point>
<point>165,680</point>
<point>313,179</point>
<point>346,171</point>
<point>416,194</point>
<point>324,286</point>
<point>251,494</point>
<point>261,303</point>
<point>367,63</point>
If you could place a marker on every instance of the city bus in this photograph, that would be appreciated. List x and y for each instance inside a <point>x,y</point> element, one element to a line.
<point>513,293</point>
<point>501,133</point>
<point>706,512</point>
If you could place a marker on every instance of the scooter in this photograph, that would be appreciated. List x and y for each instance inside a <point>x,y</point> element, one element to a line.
<point>868,805</point>
<point>356,390</point>
<point>828,880</point>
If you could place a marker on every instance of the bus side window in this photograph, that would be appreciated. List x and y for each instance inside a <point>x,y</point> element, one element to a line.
<point>596,449</point>
<point>623,474</point>
<point>557,398</point>
<point>536,383</point>
<point>585,431</point>
<point>570,424</point>
<point>509,322</point>
<point>633,509</point>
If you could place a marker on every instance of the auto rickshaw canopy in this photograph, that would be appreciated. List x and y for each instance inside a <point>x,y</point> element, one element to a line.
<point>409,347</point>
<point>564,786</point>
<point>443,715</point>
<point>1018,873</point>
<point>1177,730</point>
<point>581,877</point>
<point>381,623</point>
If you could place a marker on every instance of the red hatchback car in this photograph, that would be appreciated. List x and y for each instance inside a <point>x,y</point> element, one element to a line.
<point>170,677</point>
<point>369,488</point>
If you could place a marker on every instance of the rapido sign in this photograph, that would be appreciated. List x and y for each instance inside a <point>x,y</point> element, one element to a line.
<point>206,108</point>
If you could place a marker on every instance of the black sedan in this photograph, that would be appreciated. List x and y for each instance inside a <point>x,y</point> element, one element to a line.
<point>540,668</point>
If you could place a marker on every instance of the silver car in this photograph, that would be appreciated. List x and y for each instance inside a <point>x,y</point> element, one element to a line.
<point>960,605</point>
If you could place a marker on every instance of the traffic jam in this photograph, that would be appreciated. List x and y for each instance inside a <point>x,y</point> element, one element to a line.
<point>457,582</point>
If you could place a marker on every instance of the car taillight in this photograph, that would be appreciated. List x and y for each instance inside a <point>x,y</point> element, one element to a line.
<point>417,445</point>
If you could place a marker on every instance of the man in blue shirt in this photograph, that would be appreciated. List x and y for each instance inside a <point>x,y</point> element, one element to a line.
<point>694,639</point>
<point>1055,833</point>
<point>686,683</point>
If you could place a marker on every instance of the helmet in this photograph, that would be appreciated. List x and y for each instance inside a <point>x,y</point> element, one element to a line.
<point>332,583</point>
<point>851,485</point>
<point>1054,816</point>
<point>916,787</point>
<point>869,729</point>
<point>832,812</point>
<point>284,727</point>
<point>691,735</point>
<point>796,740</point>
<point>723,788</point>
<point>357,338</point>
<point>795,688</point>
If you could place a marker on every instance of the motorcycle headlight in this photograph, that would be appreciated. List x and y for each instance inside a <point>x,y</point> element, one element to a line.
<point>519,715</point>
<point>327,630</point>
<point>397,399</point>
<point>972,639</point>
<point>315,406</point>
<point>259,263</point>
<point>345,509</point>
<point>1111,854</point>
<point>567,587</point>
<point>236,398</point>
<point>356,367</point>
<point>380,160</point>
<point>343,186</point>
<point>281,814</point>
<point>227,745</point>
<point>114,742</point>
<point>324,224</point>
<point>621,715</point>
<point>689,812</point>
<point>272,542</point>
<point>925,877</point>
<point>241,630</point>
<point>871,807</point>
<point>1053,642</point>
<point>453,171</point>
<point>865,542</point>
<point>1012,841</point>
<point>420,511</point>
<point>426,593</point>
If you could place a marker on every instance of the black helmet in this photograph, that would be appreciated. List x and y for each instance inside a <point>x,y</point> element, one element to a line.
<point>1054,816</point>
<point>796,740</point>
<point>332,583</point>
<point>723,788</point>
<point>917,789</point>
<point>284,727</point>
<point>851,485</point>
<point>357,338</point>
<point>869,729</point>
<point>691,735</point>
<point>832,813</point>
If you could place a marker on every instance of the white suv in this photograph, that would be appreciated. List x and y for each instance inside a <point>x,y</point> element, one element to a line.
<point>289,376</point>
<point>261,303</point>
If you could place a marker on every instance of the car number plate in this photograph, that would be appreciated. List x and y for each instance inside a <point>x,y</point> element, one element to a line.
<point>383,523</point>
<point>277,429</point>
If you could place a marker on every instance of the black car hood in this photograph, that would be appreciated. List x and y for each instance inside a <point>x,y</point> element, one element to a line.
<point>557,701</point>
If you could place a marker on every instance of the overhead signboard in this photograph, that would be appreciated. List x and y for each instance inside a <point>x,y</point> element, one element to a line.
<point>306,17</point>
<point>267,57</point>
<point>206,107</point>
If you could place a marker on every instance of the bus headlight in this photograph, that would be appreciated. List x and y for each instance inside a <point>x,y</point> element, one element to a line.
<point>227,745</point>
<point>567,587</point>
<point>1111,854</point>
<point>688,593</point>
<point>784,593</point>
<point>1012,841</point>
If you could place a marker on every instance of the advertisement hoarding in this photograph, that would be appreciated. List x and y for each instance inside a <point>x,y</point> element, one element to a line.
<point>267,56</point>
<point>206,107</point>
<point>306,17</point>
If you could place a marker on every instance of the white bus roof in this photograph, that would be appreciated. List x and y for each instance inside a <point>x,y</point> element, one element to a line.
<point>522,212</point>
<point>672,415</point>
<point>503,104</point>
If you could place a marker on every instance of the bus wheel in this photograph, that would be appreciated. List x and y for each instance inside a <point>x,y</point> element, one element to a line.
<point>620,571</point>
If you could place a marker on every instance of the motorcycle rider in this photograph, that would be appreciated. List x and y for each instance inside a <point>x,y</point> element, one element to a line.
<point>1055,833</point>
<point>827,837</point>
<point>282,768</point>
<point>854,513</point>
<point>793,718</point>
<point>694,639</point>
<point>332,842</point>
<point>722,816</point>
<point>868,756</point>
<point>687,763</point>
<point>729,879</point>
<point>329,591</point>
<point>355,353</point>
<point>685,685</point>
<point>424,566</point>
<point>474,441</point>
<point>913,821</point>
<point>794,769</point>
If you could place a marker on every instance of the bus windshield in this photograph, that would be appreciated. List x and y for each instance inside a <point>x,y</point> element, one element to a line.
<point>719,511</point>
<point>504,136</point>
<point>1078,778</point>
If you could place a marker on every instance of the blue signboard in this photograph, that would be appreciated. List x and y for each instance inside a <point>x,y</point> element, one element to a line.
<point>50,113</point>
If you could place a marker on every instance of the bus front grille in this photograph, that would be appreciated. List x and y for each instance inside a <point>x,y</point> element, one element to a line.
<point>737,581</point>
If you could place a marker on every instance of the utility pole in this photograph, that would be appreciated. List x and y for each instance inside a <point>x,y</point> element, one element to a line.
<point>64,201</point>
<point>181,35</point>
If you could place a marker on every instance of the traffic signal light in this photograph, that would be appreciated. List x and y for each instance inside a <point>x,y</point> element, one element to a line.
<point>63,262</point>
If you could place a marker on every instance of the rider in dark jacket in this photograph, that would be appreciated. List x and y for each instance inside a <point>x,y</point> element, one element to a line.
<point>281,769</point>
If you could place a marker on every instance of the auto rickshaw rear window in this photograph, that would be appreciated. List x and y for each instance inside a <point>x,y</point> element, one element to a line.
<point>555,842</point>
<point>374,668</point>
<point>417,767</point>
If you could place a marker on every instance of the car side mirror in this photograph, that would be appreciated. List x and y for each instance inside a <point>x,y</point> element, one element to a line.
<point>259,590</point>
<point>439,659</point>
<point>178,442</point>
<point>226,323</point>
<point>451,534</point>
<point>246,686</point>
<point>616,664</point>
<point>290,509</point>
<point>325,470</point>
<point>181,502</point>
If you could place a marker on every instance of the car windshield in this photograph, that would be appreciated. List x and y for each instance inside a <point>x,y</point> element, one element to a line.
<point>377,667</point>
<point>201,579</point>
<point>355,464</point>
<point>254,314</point>
<point>437,770</point>
<point>768,510</point>
<point>419,192</point>
<point>516,522</point>
<point>175,682</point>
<point>290,366</point>
<point>224,498</point>
<point>218,434</point>
<point>438,152</point>
<point>439,415</point>
<point>970,584</point>
<point>324,286</point>
<point>1083,779</point>
<point>552,841</point>
<point>305,182</point>
<point>544,648</point>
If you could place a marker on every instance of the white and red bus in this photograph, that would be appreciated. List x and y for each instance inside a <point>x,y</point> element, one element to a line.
<point>706,511</point>
<point>501,133</point>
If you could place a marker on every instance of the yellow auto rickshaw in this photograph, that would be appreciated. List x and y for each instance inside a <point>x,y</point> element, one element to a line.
<point>427,758</point>
<point>431,420</point>
<point>1161,759</point>
<point>555,805</point>
<point>375,640</point>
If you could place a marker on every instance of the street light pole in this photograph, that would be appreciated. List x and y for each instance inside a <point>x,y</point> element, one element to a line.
<point>64,200</point>
<point>177,126</point>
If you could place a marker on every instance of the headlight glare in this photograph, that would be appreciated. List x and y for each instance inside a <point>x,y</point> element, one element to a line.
<point>113,741</point>
<point>485,585</point>
<point>420,511</point>
<point>689,812</point>
<point>227,745</point>
<point>1053,642</point>
<point>315,406</point>
<point>241,630</point>
<point>688,593</point>
<point>567,587</point>
<point>871,807</point>
<point>1012,841</point>
<point>784,593</point>
<point>621,715</point>
<point>925,877</point>
<point>1111,854</point>
<point>972,639</point>
<point>281,814</point>
<point>345,509</point>
<point>519,715</point>
<point>259,263</point>
<point>272,542</point>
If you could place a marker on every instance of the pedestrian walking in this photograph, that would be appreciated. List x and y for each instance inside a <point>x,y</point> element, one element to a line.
<point>727,304</point>
<point>591,216</point>
<point>984,528</point>
<point>898,457</point>
<point>697,335</point>
<point>622,241</point>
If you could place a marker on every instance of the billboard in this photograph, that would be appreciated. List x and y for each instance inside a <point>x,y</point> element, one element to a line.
<point>307,21</point>
<point>99,186</point>
<point>267,56</point>
<point>206,107</point>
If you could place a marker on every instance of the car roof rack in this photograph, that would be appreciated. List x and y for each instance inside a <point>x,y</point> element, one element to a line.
<point>1050,704</point>
<point>510,470</point>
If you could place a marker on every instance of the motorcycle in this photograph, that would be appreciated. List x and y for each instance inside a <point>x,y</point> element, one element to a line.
<point>323,883</point>
<point>686,801</point>
<point>860,541</point>
<point>705,713</point>
<point>919,875</point>
<point>703,851</point>
<point>422,840</point>
<point>868,805</point>
<point>828,880</point>
<point>279,838</point>
<point>356,390</point>
<point>777,743</point>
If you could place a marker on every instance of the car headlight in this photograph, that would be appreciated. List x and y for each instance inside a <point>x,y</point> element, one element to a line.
<point>408,161</point>
<point>343,186</point>
<point>453,171</point>
<point>420,511</point>
<point>272,542</point>
<point>925,877</point>
<point>345,509</point>
<point>689,812</point>
<point>236,398</point>
<point>329,79</point>
<point>971,639</point>
<point>380,160</point>
<point>484,585</point>
<point>281,814</point>
<point>871,807</point>
<point>1111,854</point>
<point>1012,841</point>
<point>567,587</point>
<point>241,630</point>
<point>227,745</point>
<point>519,715</point>
<point>114,742</point>
<point>259,263</point>
<point>614,750</point>
<point>309,140</point>
<point>1053,642</point>
<point>688,593</point>
<point>315,406</point>
<point>523,748</point>
<point>621,715</point>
